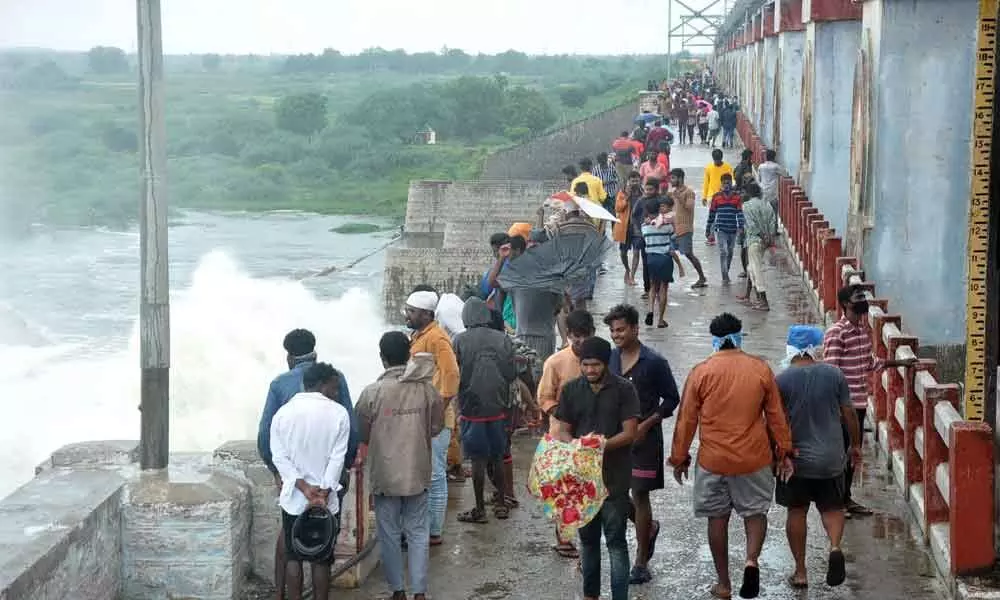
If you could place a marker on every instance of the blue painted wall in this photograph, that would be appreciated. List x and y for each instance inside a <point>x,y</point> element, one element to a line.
<point>791,45</point>
<point>835,51</point>
<point>770,67</point>
<point>921,165</point>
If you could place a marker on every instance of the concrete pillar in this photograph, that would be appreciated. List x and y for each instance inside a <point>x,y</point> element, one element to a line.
<point>770,58</point>
<point>833,29</point>
<point>915,192</point>
<point>788,113</point>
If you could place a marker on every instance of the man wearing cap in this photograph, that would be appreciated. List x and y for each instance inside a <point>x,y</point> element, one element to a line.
<point>603,403</point>
<point>309,437</point>
<point>732,401</point>
<point>817,398</point>
<point>429,337</point>
<point>300,354</point>
<point>400,415</point>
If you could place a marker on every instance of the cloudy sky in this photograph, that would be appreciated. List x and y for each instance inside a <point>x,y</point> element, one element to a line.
<point>293,26</point>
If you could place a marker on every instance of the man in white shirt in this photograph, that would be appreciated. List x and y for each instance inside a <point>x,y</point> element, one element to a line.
<point>769,174</point>
<point>309,437</point>
<point>714,125</point>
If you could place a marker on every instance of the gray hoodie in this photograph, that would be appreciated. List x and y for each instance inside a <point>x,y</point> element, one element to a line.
<point>398,415</point>
<point>486,364</point>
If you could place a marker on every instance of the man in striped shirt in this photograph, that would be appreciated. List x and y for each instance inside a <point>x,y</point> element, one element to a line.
<point>608,174</point>
<point>847,345</point>
<point>725,220</point>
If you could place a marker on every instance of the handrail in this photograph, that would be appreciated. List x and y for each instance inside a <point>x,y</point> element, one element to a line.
<point>944,464</point>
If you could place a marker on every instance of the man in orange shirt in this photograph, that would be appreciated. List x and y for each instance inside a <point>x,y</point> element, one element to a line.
<point>560,368</point>
<point>724,398</point>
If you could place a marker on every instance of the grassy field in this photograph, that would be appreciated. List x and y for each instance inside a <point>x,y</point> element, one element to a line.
<point>68,138</point>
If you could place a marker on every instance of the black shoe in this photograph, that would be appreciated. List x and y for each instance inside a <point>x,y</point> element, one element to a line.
<point>639,576</point>
<point>836,570</point>
<point>649,318</point>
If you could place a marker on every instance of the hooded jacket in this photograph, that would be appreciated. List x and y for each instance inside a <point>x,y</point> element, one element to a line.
<point>486,364</point>
<point>398,415</point>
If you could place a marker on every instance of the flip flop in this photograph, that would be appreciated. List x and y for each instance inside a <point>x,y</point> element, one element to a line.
<point>566,550</point>
<point>795,584</point>
<point>652,540</point>
<point>662,325</point>
<point>473,515</point>
<point>720,592</point>
<point>501,512</point>
<point>836,569</point>
<point>751,583</point>
<point>697,286</point>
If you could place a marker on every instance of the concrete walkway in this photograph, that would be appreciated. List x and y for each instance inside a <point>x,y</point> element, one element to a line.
<point>513,559</point>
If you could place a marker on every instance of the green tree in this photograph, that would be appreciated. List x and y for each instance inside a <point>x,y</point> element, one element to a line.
<point>527,109</point>
<point>573,96</point>
<point>304,114</point>
<point>105,60</point>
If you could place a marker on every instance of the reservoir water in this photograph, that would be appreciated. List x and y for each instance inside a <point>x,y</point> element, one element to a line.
<point>69,362</point>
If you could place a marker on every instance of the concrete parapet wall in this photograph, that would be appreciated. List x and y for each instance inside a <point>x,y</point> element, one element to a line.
<point>92,526</point>
<point>544,157</point>
<point>446,269</point>
<point>60,536</point>
<point>434,204</point>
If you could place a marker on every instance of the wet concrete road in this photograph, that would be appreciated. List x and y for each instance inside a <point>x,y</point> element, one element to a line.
<point>513,559</point>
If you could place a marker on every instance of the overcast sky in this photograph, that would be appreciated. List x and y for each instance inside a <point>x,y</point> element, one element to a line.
<point>296,26</point>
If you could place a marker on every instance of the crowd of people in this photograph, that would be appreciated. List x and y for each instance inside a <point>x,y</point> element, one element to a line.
<point>505,354</point>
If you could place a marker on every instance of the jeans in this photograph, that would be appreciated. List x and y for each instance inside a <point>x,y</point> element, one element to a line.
<point>727,245</point>
<point>727,136</point>
<point>437,500</point>
<point>612,522</point>
<point>404,515</point>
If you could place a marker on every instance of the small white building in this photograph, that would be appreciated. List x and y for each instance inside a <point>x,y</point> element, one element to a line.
<point>426,136</point>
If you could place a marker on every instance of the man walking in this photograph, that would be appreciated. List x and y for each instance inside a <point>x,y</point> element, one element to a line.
<point>309,438</point>
<point>400,415</point>
<point>683,198</point>
<point>626,149</point>
<point>724,399</point>
<point>817,400</point>
<point>428,337</point>
<point>761,231</point>
<point>486,364</point>
<point>300,354</point>
<point>769,174</point>
<point>712,183</point>
<point>848,346</point>
<point>725,221</point>
<point>602,403</point>
<point>558,370</point>
<point>658,398</point>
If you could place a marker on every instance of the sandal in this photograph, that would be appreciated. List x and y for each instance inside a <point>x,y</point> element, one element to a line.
<point>566,550</point>
<point>699,285</point>
<point>836,569</point>
<point>436,540</point>
<point>508,501</point>
<point>501,512</point>
<point>795,584</point>
<point>473,515</point>
<point>751,582</point>
<point>662,324</point>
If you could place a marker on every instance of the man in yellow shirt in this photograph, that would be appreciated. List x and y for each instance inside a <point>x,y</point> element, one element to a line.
<point>713,182</point>
<point>595,187</point>
<point>429,337</point>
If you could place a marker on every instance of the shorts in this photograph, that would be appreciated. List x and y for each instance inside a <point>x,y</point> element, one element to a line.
<point>800,492</point>
<point>287,522</point>
<point>685,243</point>
<point>484,440</point>
<point>660,267</point>
<point>718,495</point>
<point>647,463</point>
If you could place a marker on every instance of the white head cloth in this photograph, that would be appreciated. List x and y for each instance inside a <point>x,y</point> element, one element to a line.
<point>423,300</point>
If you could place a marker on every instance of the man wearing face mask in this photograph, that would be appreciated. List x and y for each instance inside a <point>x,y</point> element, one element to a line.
<point>847,345</point>
<point>732,400</point>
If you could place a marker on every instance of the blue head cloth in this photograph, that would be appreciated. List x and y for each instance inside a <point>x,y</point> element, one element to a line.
<point>735,338</point>
<point>804,336</point>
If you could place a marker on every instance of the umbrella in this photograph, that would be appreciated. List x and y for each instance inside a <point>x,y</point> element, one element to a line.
<point>705,104</point>
<point>587,206</point>
<point>565,260</point>
<point>646,118</point>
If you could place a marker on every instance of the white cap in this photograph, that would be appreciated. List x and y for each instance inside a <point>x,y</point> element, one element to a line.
<point>423,300</point>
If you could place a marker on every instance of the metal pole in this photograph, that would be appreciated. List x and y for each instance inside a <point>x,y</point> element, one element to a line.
<point>670,39</point>
<point>154,299</point>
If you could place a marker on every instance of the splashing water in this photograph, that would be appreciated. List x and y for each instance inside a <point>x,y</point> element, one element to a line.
<point>226,332</point>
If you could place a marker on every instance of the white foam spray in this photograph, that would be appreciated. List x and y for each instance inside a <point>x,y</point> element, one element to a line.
<point>226,333</point>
